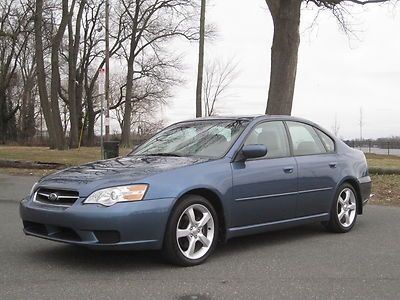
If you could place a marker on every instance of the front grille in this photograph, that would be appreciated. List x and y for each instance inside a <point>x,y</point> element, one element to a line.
<point>56,197</point>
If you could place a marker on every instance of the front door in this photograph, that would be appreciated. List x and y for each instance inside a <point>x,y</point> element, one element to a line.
<point>265,189</point>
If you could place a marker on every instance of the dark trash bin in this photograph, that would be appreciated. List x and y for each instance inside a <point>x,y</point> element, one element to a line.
<point>111,149</point>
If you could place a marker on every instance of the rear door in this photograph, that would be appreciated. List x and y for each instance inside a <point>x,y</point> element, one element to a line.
<point>265,189</point>
<point>317,168</point>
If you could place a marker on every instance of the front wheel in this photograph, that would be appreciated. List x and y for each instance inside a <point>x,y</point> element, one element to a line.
<point>192,232</point>
<point>343,213</point>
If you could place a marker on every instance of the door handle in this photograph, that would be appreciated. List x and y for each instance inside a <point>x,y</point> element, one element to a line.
<point>332,165</point>
<point>288,170</point>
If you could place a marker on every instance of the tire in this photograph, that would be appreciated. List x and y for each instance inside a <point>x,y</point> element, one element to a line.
<point>198,238</point>
<point>343,214</point>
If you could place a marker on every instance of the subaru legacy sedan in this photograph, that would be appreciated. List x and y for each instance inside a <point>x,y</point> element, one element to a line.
<point>200,182</point>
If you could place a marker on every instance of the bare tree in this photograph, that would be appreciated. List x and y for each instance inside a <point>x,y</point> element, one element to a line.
<point>84,57</point>
<point>154,77</point>
<point>91,50</point>
<point>15,29</point>
<point>148,101</point>
<point>219,77</point>
<point>284,53</point>
<point>51,110</point>
<point>27,67</point>
<point>150,24</point>
<point>74,100</point>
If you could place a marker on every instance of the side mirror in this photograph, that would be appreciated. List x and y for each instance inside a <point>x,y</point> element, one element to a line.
<point>254,151</point>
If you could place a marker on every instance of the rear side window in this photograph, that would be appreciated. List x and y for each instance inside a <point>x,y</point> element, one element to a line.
<point>304,139</point>
<point>273,135</point>
<point>327,141</point>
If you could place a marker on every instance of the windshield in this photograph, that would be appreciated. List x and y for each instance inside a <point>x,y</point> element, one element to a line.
<point>210,138</point>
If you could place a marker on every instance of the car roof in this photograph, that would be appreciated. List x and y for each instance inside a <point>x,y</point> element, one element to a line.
<point>250,118</point>
<point>256,118</point>
<point>242,117</point>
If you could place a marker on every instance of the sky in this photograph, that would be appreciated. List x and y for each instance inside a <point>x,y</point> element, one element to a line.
<point>338,74</point>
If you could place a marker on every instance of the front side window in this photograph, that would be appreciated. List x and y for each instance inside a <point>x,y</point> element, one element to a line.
<point>304,139</point>
<point>273,135</point>
<point>210,139</point>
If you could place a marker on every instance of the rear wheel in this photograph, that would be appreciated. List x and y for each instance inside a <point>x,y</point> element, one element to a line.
<point>192,232</point>
<point>343,213</point>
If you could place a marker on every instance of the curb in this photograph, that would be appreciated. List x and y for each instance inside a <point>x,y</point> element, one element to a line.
<point>19,164</point>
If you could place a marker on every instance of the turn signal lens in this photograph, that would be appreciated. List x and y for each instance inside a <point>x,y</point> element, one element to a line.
<point>136,192</point>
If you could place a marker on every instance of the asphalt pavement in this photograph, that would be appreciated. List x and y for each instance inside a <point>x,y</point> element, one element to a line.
<point>300,263</point>
<point>14,188</point>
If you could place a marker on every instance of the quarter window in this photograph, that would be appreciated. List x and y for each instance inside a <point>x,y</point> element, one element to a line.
<point>304,139</point>
<point>273,135</point>
<point>327,141</point>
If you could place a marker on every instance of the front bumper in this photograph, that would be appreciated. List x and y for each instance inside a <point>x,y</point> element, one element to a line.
<point>131,226</point>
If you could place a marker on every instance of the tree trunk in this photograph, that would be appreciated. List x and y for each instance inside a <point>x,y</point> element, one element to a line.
<point>73,113</point>
<point>284,53</point>
<point>91,121</point>
<point>27,113</point>
<point>200,68</point>
<point>126,125</point>
<point>55,75</point>
<point>73,52</point>
<point>79,109</point>
<point>55,109</point>
<point>41,75</point>
<point>3,116</point>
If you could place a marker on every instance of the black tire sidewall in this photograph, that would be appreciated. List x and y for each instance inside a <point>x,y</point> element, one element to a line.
<point>171,248</point>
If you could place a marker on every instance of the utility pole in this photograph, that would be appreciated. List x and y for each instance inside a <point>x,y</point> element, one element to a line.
<point>361,124</point>
<point>336,126</point>
<point>101,93</point>
<point>200,67</point>
<point>107,81</point>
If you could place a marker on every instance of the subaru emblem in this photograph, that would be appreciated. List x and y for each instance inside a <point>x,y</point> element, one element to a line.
<point>53,197</point>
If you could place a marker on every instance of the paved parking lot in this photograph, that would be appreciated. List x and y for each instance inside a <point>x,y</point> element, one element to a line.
<point>300,263</point>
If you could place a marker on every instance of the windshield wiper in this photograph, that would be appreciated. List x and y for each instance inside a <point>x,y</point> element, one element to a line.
<point>164,154</point>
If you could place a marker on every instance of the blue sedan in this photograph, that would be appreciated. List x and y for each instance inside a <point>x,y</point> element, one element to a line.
<point>202,181</point>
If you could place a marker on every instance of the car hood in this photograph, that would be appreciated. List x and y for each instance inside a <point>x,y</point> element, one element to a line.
<point>116,171</point>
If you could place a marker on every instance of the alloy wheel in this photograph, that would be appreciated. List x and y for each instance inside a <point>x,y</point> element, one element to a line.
<point>195,231</point>
<point>346,207</point>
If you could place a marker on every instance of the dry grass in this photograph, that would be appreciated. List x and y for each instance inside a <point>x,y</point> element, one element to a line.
<point>25,172</point>
<point>43,154</point>
<point>383,161</point>
<point>386,189</point>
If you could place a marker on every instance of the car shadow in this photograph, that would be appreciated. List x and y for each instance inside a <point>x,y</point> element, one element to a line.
<point>81,258</point>
<point>89,260</point>
<point>269,239</point>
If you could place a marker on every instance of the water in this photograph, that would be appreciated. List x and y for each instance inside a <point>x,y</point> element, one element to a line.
<point>380,151</point>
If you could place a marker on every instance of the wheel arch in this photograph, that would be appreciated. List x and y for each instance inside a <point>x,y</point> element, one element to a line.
<point>355,184</point>
<point>216,202</point>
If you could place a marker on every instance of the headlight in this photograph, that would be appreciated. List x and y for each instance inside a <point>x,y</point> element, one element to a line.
<point>113,195</point>
<point>33,188</point>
